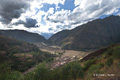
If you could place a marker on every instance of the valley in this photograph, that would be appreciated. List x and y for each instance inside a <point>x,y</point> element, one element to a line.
<point>63,56</point>
<point>59,39</point>
<point>103,61</point>
<point>57,50</point>
<point>77,54</point>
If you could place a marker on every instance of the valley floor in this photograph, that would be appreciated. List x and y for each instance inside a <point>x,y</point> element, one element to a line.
<point>64,56</point>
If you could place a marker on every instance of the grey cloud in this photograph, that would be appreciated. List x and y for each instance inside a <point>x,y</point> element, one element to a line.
<point>28,23</point>
<point>93,11</point>
<point>55,21</point>
<point>58,17</point>
<point>50,29</point>
<point>10,9</point>
<point>89,12</point>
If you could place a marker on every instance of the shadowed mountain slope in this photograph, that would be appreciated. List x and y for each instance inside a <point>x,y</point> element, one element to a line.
<point>93,35</point>
<point>23,35</point>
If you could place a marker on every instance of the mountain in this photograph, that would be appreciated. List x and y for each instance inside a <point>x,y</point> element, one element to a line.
<point>9,45</point>
<point>19,54</point>
<point>93,35</point>
<point>47,35</point>
<point>102,64</point>
<point>23,35</point>
<point>57,39</point>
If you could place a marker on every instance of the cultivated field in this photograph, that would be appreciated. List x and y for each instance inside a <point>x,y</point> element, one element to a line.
<point>57,50</point>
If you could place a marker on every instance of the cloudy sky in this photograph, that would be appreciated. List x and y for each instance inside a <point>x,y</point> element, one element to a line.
<point>47,17</point>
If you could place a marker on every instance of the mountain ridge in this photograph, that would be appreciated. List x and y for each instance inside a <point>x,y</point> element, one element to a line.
<point>23,35</point>
<point>93,35</point>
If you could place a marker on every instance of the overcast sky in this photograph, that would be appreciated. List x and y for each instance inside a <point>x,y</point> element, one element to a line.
<point>50,16</point>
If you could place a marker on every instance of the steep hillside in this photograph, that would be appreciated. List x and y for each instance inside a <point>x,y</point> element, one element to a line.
<point>20,55</point>
<point>93,35</point>
<point>10,45</point>
<point>103,64</point>
<point>57,38</point>
<point>23,35</point>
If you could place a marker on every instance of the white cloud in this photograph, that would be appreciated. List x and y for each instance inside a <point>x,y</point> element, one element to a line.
<point>6,27</point>
<point>86,10</point>
<point>2,26</point>
<point>56,2</point>
<point>59,16</point>
<point>89,10</point>
<point>51,11</point>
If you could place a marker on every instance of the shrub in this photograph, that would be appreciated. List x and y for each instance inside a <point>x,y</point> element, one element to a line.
<point>101,65</point>
<point>56,74</point>
<point>109,62</point>
<point>72,71</point>
<point>119,64</point>
<point>95,68</point>
<point>116,52</point>
<point>7,74</point>
<point>108,53</point>
<point>42,72</point>
<point>29,76</point>
<point>89,63</point>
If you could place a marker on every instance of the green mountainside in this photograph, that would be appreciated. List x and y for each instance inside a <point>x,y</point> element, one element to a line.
<point>105,66</point>
<point>93,35</point>
<point>20,55</point>
<point>23,35</point>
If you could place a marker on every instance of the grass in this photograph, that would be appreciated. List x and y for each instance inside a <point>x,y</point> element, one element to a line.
<point>95,69</point>
<point>89,63</point>
<point>109,62</point>
<point>71,71</point>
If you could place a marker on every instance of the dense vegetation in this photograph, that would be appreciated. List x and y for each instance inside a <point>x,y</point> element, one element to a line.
<point>20,55</point>
<point>108,62</point>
